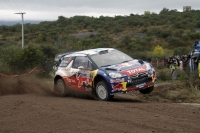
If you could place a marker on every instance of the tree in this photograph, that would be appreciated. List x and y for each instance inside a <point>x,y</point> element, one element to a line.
<point>164,11</point>
<point>158,51</point>
<point>41,38</point>
<point>147,13</point>
<point>61,19</point>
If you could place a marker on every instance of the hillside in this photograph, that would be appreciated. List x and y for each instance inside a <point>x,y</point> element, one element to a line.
<point>138,35</point>
<point>170,29</point>
<point>11,23</point>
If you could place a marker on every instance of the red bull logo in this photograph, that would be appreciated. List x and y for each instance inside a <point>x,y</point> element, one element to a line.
<point>83,80</point>
<point>117,87</point>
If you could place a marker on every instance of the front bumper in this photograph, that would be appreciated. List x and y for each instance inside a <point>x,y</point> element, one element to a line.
<point>140,86</point>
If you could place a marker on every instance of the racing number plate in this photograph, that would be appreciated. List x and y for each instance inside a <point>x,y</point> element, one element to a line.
<point>141,85</point>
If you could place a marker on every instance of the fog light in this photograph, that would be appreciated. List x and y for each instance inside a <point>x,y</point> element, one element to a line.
<point>129,80</point>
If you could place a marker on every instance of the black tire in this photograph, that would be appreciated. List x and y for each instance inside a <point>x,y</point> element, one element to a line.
<point>102,92</point>
<point>147,90</point>
<point>60,88</point>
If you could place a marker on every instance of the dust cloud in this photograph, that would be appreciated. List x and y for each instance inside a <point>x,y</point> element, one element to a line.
<point>35,85</point>
<point>24,85</point>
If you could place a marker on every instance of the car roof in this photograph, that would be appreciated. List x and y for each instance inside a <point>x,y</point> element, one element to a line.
<point>81,53</point>
<point>90,51</point>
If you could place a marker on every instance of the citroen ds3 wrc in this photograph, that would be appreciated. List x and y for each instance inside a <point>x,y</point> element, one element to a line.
<point>103,72</point>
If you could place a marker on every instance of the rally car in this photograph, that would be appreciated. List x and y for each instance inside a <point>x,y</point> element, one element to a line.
<point>103,72</point>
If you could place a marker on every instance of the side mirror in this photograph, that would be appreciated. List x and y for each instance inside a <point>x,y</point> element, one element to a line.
<point>81,67</point>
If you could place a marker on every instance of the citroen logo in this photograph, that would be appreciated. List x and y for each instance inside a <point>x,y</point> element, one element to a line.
<point>137,75</point>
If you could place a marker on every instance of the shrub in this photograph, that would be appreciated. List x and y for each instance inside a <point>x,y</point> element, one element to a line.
<point>163,75</point>
<point>175,41</point>
<point>188,91</point>
<point>19,60</point>
<point>181,51</point>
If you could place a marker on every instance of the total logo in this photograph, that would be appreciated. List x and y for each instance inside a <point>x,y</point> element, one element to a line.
<point>136,70</point>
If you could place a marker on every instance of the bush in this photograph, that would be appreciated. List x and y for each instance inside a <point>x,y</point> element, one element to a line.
<point>19,60</point>
<point>187,92</point>
<point>175,41</point>
<point>163,75</point>
<point>181,51</point>
<point>31,57</point>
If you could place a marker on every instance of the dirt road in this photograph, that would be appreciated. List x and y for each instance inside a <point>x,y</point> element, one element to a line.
<point>29,107</point>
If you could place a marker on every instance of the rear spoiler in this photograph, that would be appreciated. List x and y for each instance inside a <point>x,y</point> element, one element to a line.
<point>59,56</point>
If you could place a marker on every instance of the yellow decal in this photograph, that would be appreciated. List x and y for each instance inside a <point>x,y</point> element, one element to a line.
<point>124,86</point>
<point>153,78</point>
<point>94,74</point>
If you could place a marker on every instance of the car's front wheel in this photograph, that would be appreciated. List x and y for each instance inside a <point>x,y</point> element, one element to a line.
<point>102,91</point>
<point>147,90</point>
<point>60,88</point>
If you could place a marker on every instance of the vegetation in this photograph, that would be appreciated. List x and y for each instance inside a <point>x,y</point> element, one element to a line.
<point>142,36</point>
<point>172,30</point>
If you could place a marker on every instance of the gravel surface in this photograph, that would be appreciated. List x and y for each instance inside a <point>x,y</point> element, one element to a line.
<point>29,106</point>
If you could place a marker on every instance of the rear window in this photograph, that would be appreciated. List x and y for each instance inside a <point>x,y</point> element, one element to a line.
<point>65,61</point>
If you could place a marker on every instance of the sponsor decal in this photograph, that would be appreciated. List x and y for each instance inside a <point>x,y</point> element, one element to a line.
<point>70,80</point>
<point>124,65</point>
<point>136,70</point>
<point>153,77</point>
<point>94,74</point>
<point>119,87</point>
<point>116,80</point>
<point>84,80</point>
<point>140,85</point>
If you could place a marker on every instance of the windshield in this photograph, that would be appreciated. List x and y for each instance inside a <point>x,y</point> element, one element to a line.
<point>110,58</point>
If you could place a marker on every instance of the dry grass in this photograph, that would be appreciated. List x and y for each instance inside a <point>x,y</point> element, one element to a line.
<point>176,91</point>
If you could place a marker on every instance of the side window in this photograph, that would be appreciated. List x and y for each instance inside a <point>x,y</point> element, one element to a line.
<point>65,61</point>
<point>90,66</point>
<point>82,61</point>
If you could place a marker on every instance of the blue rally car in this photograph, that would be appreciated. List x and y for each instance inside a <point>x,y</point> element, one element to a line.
<point>103,72</point>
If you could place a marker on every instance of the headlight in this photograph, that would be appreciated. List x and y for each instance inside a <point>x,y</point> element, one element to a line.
<point>116,75</point>
<point>149,67</point>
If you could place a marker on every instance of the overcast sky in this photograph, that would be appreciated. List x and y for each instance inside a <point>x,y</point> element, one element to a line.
<point>48,10</point>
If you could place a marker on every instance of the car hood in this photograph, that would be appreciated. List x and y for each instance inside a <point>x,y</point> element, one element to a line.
<point>129,68</point>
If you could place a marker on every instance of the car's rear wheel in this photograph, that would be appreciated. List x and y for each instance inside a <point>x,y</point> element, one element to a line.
<point>147,90</point>
<point>60,88</point>
<point>102,91</point>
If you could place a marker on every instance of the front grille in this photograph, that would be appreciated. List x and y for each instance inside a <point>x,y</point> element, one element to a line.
<point>139,79</point>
